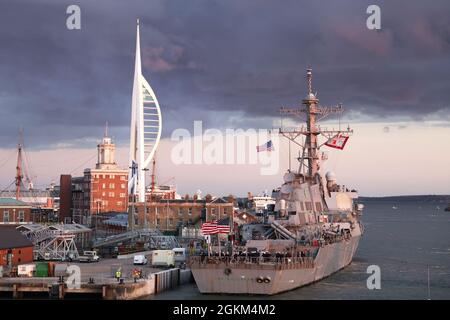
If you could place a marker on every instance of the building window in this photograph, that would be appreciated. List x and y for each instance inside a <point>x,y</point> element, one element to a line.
<point>103,194</point>
<point>122,185</point>
<point>147,209</point>
<point>123,178</point>
<point>318,206</point>
<point>308,205</point>
<point>111,186</point>
<point>5,216</point>
<point>111,194</point>
<point>213,211</point>
<point>104,186</point>
<point>21,216</point>
<point>190,211</point>
<point>122,195</point>
<point>111,176</point>
<point>158,222</point>
<point>180,211</point>
<point>119,203</point>
<point>170,222</point>
<point>225,211</point>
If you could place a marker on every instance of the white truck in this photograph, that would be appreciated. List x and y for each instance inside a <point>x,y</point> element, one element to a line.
<point>180,257</point>
<point>163,258</point>
<point>140,259</point>
<point>89,256</point>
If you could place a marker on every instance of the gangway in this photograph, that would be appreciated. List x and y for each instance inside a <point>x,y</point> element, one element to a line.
<point>153,237</point>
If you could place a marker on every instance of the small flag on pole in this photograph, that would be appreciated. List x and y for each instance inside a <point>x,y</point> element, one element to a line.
<point>337,142</point>
<point>268,146</point>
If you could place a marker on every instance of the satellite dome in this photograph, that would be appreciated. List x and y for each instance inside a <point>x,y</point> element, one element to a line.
<point>330,176</point>
<point>289,177</point>
<point>311,96</point>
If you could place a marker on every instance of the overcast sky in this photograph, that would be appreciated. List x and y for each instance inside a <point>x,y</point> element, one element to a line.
<point>227,63</point>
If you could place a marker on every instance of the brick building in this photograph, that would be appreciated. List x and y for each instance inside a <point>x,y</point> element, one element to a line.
<point>100,190</point>
<point>15,249</point>
<point>14,211</point>
<point>169,214</point>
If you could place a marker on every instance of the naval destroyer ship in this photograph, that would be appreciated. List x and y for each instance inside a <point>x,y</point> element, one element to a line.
<point>312,231</point>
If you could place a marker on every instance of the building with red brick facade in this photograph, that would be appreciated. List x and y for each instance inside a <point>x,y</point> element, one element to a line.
<point>169,214</point>
<point>15,249</point>
<point>102,189</point>
<point>14,211</point>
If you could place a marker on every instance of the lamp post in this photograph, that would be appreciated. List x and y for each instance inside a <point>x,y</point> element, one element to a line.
<point>96,216</point>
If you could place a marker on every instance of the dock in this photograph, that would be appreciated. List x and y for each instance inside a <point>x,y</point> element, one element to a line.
<point>108,289</point>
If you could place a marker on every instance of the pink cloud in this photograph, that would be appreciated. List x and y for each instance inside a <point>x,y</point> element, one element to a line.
<point>153,58</point>
<point>164,59</point>
<point>380,43</point>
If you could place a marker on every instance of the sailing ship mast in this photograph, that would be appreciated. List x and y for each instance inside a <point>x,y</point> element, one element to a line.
<point>309,159</point>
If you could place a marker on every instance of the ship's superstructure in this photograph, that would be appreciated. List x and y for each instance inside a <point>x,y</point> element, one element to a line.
<point>313,230</point>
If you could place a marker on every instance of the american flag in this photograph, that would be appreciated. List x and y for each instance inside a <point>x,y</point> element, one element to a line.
<point>268,146</point>
<point>213,227</point>
<point>223,228</point>
<point>210,227</point>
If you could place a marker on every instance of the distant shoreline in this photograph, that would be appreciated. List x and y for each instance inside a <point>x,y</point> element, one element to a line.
<point>409,197</point>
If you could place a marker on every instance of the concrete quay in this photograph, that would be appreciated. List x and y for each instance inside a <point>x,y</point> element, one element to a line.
<point>97,281</point>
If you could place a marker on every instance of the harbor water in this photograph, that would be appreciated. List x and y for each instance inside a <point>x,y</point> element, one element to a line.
<point>407,237</point>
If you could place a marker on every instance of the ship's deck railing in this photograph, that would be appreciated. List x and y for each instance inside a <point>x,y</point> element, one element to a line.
<point>252,262</point>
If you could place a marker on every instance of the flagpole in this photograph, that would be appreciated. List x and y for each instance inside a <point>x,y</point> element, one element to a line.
<point>289,155</point>
<point>218,233</point>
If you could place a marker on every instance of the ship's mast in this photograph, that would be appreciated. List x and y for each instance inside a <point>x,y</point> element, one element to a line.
<point>309,158</point>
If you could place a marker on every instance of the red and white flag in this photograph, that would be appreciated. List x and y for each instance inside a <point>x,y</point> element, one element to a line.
<point>223,228</point>
<point>337,142</point>
<point>212,227</point>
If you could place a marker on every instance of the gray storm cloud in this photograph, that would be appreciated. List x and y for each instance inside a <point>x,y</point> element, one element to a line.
<point>205,58</point>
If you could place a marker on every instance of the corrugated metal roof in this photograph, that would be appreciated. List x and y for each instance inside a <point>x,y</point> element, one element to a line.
<point>12,202</point>
<point>12,238</point>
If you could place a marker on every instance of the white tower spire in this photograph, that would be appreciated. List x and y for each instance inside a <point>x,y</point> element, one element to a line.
<point>146,126</point>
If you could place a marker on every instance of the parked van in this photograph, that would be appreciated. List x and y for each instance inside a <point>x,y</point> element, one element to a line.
<point>89,256</point>
<point>140,259</point>
<point>163,258</point>
<point>180,257</point>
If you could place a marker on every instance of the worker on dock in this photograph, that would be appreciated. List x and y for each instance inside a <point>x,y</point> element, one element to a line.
<point>119,274</point>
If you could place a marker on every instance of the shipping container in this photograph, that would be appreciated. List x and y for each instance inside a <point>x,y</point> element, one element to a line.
<point>26,270</point>
<point>42,269</point>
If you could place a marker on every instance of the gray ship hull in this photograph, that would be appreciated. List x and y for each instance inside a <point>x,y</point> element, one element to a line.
<point>244,280</point>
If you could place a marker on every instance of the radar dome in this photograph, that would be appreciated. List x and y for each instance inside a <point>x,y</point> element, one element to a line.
<point>289,177</point>
<point>311,96</point>
<point>330,176</point>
